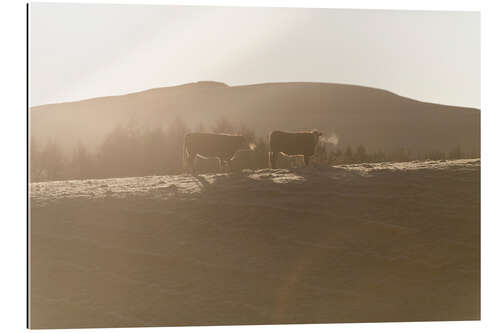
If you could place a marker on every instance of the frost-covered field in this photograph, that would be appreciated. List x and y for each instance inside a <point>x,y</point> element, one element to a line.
<point>367,242</point>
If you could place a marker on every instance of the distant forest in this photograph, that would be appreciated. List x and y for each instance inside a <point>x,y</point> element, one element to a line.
<point>129,151</point>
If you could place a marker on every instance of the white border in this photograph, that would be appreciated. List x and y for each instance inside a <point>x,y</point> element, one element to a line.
<point>13,153</point>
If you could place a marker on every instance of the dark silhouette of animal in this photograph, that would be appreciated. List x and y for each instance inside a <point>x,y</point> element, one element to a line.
<point>244,159</point>
<point>210,145</point>
<point>298,143</point>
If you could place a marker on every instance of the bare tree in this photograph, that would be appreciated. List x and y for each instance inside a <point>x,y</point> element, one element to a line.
<point>223,125</point>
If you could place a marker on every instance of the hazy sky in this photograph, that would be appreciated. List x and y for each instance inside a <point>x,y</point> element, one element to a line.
<point>81,51</point>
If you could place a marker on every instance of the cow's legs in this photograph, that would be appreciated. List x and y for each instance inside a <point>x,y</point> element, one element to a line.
<point>190,162</point>
<point>229,165</point>
<point>221,164</point>
<point>306,159</point>
<point>272,159</point>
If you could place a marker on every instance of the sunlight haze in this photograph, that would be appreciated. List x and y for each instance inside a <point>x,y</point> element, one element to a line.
<point>81,51</point>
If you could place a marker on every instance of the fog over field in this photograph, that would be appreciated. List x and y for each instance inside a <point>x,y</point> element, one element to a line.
<point>143,133</point>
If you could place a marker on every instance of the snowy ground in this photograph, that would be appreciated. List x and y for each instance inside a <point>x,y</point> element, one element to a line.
<point>366,242</point>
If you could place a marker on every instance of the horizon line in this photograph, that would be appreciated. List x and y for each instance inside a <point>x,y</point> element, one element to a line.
<point>248,85</point>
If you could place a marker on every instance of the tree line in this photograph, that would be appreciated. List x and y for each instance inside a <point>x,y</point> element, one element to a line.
<point>129,151</point>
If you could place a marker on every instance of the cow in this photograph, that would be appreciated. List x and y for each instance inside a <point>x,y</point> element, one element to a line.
<point>209,145</point>
<point>298,143</point>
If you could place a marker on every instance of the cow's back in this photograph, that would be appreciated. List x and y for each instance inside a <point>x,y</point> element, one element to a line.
<point>212,145</point>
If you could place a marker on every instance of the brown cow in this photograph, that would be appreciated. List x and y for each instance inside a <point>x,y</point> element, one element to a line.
<point>207,145</point>
<point>298,143</point>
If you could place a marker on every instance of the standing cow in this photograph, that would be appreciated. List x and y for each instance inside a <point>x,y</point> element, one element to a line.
<point>299,143</point>
<point>207,145</point>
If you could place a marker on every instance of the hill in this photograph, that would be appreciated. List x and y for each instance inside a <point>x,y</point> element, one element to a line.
<point>376,118</point>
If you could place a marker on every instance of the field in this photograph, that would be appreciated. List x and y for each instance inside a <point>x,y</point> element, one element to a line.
<point>353,243</point>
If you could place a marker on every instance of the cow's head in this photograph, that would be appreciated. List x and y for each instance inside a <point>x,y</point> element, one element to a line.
<point>316,135</point>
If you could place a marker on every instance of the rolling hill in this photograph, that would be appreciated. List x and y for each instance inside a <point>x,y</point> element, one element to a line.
<point>376,118</point>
